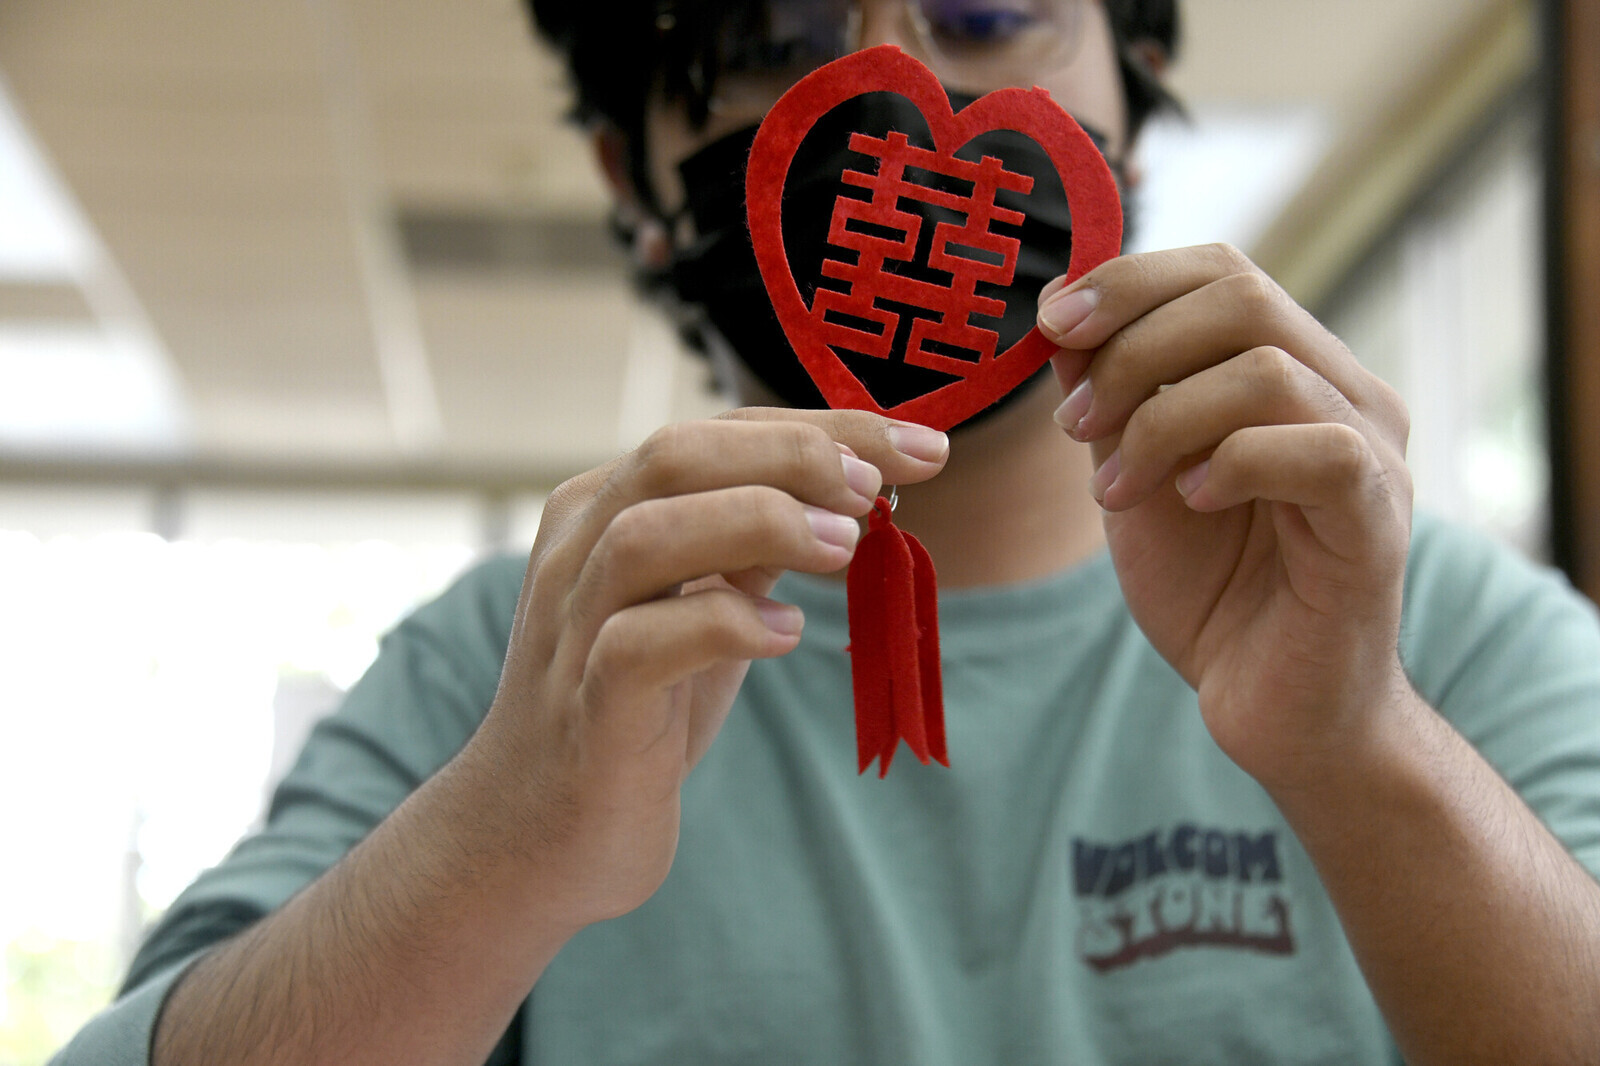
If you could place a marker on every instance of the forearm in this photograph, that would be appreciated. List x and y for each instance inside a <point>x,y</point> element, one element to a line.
<point>418,947</point>
<point>1478,934</point>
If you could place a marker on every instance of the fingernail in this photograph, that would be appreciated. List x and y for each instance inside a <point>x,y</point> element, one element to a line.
<point>783,618</point>
<point>862,477</point>
<point>1069,416</point>
<point>1193,478</point>
<point>1066,311</point>
<point>1106,475</point>
<point>835,529</point>
<point>919,442</point>
<point>1053,286</point>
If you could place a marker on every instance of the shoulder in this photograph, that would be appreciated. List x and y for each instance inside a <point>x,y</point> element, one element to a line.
<point>1452,565</point>
<point>489,587</point>
<point>1459,581</point>
<point>1483,624</point>
<point>474,615</point>
<point>1509,652</point>
<point>438,669</point>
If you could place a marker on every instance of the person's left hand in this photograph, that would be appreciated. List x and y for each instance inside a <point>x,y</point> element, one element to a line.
<point>1257,502</point>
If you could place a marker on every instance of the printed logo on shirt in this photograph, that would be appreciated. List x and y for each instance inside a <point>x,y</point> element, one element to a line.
<point>1187,887</point>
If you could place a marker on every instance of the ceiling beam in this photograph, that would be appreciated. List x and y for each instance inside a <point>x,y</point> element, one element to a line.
<point>55,302</point>
<point>391,306</point>
<point>115,471</point>
<point>1364,187</point>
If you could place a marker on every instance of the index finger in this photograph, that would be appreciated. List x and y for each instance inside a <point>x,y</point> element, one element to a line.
<point>1086,313</point>
<point>904,452</point>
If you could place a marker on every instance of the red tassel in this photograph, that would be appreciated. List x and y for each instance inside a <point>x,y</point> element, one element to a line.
<point>926,584</point>
<point>894,645</point>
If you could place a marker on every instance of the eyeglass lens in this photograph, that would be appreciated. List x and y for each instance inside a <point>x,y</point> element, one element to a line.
<point>975,45</point>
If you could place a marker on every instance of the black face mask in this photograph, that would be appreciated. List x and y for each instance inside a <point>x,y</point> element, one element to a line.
<point>717,274</point>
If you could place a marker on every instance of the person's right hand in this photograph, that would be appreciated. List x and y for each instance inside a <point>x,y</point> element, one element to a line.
<point>643,604</point>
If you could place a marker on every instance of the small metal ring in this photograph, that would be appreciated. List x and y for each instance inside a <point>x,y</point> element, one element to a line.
<point>894,497</point>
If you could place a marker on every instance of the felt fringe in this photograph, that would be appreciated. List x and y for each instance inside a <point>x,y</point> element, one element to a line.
<point>894,645</point>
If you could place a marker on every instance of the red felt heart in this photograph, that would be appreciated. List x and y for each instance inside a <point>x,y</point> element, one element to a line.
<point>1091,196</point>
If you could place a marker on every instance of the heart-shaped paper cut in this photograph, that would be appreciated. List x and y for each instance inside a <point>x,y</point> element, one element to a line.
<point>812,331</point>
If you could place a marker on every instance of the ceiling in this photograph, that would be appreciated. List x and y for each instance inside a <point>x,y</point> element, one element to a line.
<point>358,232</point>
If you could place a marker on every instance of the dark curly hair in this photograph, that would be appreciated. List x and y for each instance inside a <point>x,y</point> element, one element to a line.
<point>617,53</point>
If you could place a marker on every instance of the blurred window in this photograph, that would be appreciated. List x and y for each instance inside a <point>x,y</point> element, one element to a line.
<point>152,689</point>
<point>1448,309</point>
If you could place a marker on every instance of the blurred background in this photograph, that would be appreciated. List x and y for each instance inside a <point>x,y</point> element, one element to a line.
<point>306,304</point>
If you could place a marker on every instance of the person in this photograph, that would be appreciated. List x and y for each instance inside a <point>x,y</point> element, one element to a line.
<point>1244,767</point>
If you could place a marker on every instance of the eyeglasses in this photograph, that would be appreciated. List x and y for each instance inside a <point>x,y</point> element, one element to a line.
<point>973,45</point>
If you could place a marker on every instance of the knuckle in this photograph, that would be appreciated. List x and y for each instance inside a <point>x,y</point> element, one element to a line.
<point>1273,370</point>
<point>660,442</point>
<point>1230,454</point>
<point>1230,259</point>
<point>865,432</point>
<point>632,536</point>
<point>811,452</point>
<point>1254,293</point>
<point>662,459</point>
<point>568,496</point>
<point>1344,449</point>
<point>1145,430</point>
<point>566,502</point>
<point>1314,397</point>
<point>766,514</point>
<point>616,652</point>
<point>726,624</point>
<point>773,513</point>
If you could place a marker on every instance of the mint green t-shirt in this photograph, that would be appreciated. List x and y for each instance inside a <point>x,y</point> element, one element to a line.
<point>1091,881</point>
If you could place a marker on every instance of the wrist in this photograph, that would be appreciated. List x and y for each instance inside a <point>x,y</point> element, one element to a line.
<point>1301,733</point>
<point>494,801</point>
<point>576,847</point>
<point>1367,755</point>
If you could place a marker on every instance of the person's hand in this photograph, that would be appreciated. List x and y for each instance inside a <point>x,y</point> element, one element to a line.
<point>1256,498</point>
<point>643,604</point>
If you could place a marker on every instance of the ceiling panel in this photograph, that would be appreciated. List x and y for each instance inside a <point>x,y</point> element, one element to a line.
<point>249,151</point>
<point>177,41</point>
<point>527,366</point>
<point>469,110</point>
<point>292,347</point>
<point>52,301</point>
